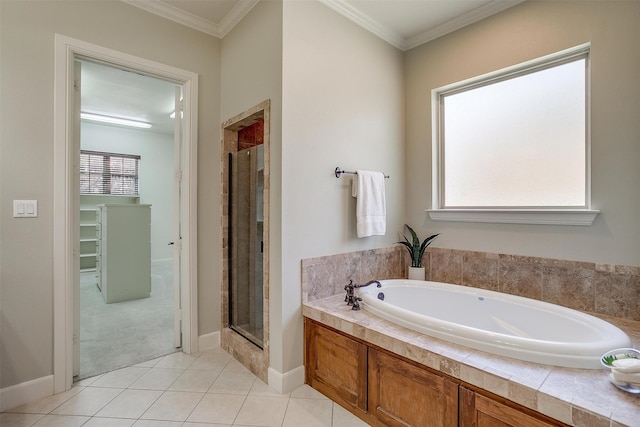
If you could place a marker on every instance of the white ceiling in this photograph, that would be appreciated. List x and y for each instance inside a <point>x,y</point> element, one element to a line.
<point>110,91</point>
<point>404,24</point>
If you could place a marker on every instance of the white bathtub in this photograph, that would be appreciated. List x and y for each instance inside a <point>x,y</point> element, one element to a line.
<point>494,322</point>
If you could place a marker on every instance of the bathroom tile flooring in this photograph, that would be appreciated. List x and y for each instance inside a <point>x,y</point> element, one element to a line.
<point>210,389</point>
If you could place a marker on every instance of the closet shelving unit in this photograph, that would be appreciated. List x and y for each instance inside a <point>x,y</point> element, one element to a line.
<point>88,238</point>
<point>88,231</point>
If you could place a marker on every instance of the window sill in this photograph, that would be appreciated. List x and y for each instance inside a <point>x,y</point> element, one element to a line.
<point>517,216</point>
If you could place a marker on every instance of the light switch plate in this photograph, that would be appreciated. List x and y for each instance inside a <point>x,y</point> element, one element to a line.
<point>25,208</point>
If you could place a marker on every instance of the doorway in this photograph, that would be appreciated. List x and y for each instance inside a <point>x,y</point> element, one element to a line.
<point>67,201</point>
<point>245,292</point>
<point>127,300</point>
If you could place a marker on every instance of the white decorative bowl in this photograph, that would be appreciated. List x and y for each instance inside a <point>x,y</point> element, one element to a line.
<point>609,357</point>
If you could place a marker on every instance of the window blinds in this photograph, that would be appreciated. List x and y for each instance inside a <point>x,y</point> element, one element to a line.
<point>108,173</point>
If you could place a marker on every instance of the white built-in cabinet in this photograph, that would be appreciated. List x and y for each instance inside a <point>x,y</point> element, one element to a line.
<point>123,251</point>
<point>88,203</point>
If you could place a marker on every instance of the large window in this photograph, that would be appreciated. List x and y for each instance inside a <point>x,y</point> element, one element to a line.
<point>515,140</point>
<point>108,173</point>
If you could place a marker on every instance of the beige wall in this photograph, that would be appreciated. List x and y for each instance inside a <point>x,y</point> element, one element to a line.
<point>252,73</point>
<point>339,97</point>
<point>342,106</point>
<point>527,31</point>
<point>329,107</point>
<point>26,132</point>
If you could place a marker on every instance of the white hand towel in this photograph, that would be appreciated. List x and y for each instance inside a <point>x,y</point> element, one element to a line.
<point>625,378</point>
<point>631,366</point>
<point>371,208</point>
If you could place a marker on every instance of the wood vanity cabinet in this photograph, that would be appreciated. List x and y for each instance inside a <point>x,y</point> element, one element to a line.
<point>386,390</point>
<point>336,366</point>
<point>403,394</point>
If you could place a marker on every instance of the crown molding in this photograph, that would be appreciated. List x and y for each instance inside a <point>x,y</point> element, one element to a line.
<point>235,15</point>
<point>469,18</point>
<point>158,7</point>
<point>397,40</point>
<point>345,9</point>
<point>172,13</point>
<point>369,24</point>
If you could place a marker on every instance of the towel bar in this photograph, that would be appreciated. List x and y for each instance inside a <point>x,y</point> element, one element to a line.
<point>339,172</point>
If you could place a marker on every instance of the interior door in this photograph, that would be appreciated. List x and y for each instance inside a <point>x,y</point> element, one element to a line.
<point>177,210</point>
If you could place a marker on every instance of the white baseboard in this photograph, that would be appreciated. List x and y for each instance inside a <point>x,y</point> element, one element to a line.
<point>209,341</point>
<point>27,392</point>
<point>289,381</point>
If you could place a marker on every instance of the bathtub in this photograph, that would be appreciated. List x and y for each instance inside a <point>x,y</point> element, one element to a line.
<point>502,324</point>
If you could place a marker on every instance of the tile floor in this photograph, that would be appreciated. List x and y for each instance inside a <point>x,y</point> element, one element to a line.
<point>210,389</point>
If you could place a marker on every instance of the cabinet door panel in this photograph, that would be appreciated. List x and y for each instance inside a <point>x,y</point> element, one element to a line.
<point>477,410</point>
<point>402,394</point>
<point>337,366</point>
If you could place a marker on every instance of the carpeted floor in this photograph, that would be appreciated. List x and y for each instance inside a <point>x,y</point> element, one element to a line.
<point>117,335</point>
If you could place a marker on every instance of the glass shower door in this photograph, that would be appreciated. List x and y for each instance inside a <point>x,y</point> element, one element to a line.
<point>246,245</point>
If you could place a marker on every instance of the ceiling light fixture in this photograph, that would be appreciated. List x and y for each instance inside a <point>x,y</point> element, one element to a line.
<point>115,120</point>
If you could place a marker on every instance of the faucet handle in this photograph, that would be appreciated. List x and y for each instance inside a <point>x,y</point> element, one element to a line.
<point>350,289</point>
<point>356,303</point>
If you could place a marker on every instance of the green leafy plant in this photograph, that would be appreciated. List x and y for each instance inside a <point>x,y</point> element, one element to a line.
<point>415,247</point>
<point>610,358</point>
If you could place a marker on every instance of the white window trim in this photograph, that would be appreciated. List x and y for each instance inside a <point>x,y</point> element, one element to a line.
<point>547,216</point>
<point>517,216</point>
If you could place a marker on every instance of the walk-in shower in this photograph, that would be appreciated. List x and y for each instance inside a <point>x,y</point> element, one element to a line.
<point>245,243</point>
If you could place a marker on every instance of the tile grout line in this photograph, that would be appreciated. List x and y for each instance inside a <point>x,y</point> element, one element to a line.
<point>219,367</point>
<point>169,386</point>
<point>286,408</point>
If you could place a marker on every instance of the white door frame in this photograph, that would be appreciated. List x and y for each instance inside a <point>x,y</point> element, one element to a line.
<point>66,196</point>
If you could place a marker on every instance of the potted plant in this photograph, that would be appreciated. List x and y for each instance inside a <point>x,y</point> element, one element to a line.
<point>416,251</point>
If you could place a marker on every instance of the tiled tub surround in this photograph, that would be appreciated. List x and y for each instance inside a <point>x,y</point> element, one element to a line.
<point>326,276</point>
<point>603,289</point>
<point>574,396</point>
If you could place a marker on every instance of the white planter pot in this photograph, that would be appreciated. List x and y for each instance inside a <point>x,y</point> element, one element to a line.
<point>416,273</point>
